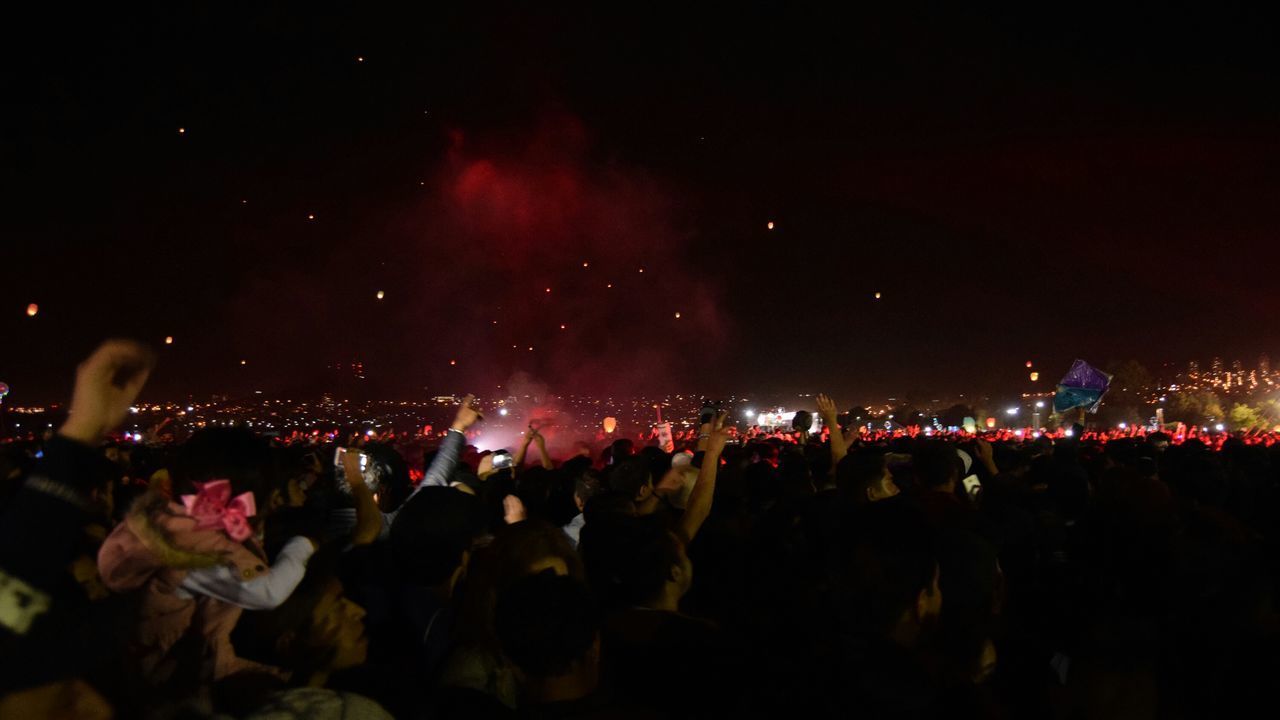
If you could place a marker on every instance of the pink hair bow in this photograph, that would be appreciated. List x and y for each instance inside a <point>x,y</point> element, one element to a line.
<point>212,506</point>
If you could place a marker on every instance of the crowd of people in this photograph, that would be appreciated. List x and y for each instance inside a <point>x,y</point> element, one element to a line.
<point>1065,574</point>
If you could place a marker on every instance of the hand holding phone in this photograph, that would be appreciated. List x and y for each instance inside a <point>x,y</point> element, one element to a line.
<point>350,465</point>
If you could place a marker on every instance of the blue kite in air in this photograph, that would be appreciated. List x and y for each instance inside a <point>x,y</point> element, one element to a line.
<point>1082,386</point>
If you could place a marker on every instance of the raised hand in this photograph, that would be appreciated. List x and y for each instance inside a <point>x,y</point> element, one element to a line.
<point>107,383</point>
<point>720,436</point>
<point>351,467</point>
<point>513,510</point>
<point>468,414</point>
<point>827,410</point>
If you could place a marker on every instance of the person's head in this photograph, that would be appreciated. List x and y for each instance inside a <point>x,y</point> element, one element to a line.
<point>863,477</point>
<point>313,633</point>
<point>620,450</point>
<point>394,485</point>
<point>233,454</point>
<point>548,627</point>
<point>585,488</point>
<point>632,479</point>
<point>432,536</point>
<point>636,561</point>
<point>889,575</point>
<point>526,548</point>
<point>936,465</point>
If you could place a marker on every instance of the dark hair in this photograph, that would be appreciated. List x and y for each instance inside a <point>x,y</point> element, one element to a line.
<point>936,463</point>
<point>586,486</point>
<point>885,563</point>
<point>545,623</point>
<point>507,559</point>
<point>432,531</point>
<point>627,559</point>
<point>858,471</point>
<point>629,476</point>
<point>621,449</point>
<point>234,454</point>
<point>256,634</point>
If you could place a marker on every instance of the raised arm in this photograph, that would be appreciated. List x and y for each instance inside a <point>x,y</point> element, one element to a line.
<point>446,459</point>
<point>543,455</point>
<point>704,489</point>
<point>827,409</point>
<point>369,521</point>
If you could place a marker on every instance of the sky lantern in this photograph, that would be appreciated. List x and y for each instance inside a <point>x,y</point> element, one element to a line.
<point>677,316</point>
<point>991,423</point>
<point>1035,376</point>
<point>610,424</point>
<point>32,309</point>
<point>1028,363</point>
<point>168,339</point>
<point>381,294</point>
<point>770,225</point>
<point>877,296</point>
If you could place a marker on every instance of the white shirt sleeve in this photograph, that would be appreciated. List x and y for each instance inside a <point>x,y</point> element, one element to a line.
<point>264,592</point>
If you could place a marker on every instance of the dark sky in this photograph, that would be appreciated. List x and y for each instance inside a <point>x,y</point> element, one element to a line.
<point>1061,183</point>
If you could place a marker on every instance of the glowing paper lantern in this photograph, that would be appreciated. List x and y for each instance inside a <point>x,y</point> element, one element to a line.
<point>610,424</point>
<point>381,294</point>
<point>4,389</point>
<point>991,423</point>
<point>770,225</point>
<point>1028,363</point>
<point>1035,376</point>
<point>677,316</point>
<point>877,296</point>
<point>168,340</point>
<point>32,309</point>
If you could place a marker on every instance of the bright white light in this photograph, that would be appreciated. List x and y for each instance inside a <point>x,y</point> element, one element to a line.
<point>1219,427</point>
<point>1039,403</point>
<point>502,412</point>
<point>137,437</point>
<point>747,413</point>
<point>1068,433</point>
<point>133,409</point>
<point>1011,411</point>
<point>1018,432</point>
<point>368,433</point>
<point>1124,426</point>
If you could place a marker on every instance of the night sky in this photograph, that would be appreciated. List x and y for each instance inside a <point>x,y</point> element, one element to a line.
<point>247,177</point>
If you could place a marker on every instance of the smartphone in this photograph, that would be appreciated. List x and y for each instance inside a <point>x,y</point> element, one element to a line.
<point>502,460</point>
<point>973,486</point>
